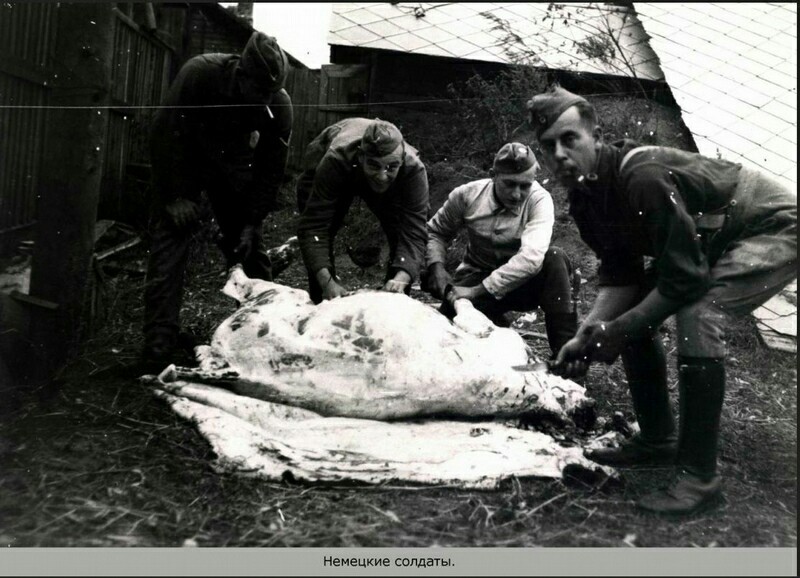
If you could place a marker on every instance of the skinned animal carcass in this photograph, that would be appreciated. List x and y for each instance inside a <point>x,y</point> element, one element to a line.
<point>348,391</point>
<point>373,355</point>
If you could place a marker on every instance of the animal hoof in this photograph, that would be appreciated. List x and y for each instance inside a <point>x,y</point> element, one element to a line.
<point>169,374</point>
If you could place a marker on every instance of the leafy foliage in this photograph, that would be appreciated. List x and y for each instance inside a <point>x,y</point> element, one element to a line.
<point>491,111</point>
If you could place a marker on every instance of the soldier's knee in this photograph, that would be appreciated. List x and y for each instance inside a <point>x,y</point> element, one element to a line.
<point>702,330</point>
<point>556,259</point>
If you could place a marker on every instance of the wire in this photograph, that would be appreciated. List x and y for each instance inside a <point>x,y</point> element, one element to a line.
<point>293,105</point>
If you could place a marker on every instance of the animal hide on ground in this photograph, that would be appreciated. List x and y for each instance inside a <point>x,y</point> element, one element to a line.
<point>274,441</point>
<point>292,388</point>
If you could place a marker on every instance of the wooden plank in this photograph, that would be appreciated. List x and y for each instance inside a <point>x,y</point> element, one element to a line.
<point>14,66</point>
<point>775,340</point>
<point>31,300</point>
<point>17,136</point>
<point>776,307</point>
<point>128,21</point>
<point>324,89</point>
<point>343,91</point>
<point>304,89</point>
<point>26,151</point>
<point>345,70</point>
<point>777,320</point>
<point>70,183</point>
<point>40,131</point>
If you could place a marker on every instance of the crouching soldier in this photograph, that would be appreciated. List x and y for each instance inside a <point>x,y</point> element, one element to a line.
<point>723,239</point>
<point>369,160</point>
<point>224,128</point>
<point>509,264</point>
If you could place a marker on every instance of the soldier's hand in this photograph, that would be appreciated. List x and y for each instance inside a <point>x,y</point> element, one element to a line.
<point>438,280</point>
<point>332,290</point>
<point>330,287</point>
<point>247,242</point>
<point>457,293</point>
<point>603,341</point>
<point>184,213</point>
<point>399,283</point>
<point>571,362</point>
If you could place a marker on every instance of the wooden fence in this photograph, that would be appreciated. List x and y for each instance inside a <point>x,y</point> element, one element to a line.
<point>140,76</point>
<point>142,65</point>
<point>27,38</point>
<point>321,98</point>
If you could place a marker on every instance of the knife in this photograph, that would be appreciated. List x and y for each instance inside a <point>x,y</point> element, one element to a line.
<point>449,287</point>
<point>542,366</point>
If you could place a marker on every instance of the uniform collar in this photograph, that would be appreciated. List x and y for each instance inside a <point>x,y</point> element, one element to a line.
<point>606,168</point>
<point>495,206</point>
<point>597,185</point>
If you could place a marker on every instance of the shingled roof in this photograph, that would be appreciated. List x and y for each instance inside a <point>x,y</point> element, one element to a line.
<point>732,69</point>
<point>552,34</point>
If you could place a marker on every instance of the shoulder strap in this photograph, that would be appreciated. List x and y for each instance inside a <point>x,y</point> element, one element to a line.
<point>631,152</point>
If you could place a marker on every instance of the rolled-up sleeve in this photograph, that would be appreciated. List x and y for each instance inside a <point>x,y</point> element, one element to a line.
<point>444,226</point>
<point>534,242</point>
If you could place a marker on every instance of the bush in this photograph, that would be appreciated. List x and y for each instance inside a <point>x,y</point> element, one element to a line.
<point>491,112</point>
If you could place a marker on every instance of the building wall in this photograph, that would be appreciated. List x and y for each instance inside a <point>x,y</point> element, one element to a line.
<point>419,83</point>
<point>208,35</point>
<point>399,77</point>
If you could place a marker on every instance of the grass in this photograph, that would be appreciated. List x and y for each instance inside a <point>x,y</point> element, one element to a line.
<point>98,461</point>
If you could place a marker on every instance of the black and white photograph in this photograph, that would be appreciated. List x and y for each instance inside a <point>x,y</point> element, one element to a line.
<point>438,278</point>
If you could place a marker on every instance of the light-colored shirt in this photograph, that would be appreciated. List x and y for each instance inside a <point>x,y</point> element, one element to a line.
<point>508,244</point>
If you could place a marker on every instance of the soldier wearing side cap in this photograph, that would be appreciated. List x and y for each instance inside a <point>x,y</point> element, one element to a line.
<point>722,238</point>
<point>509,264</point>
<point>359,158</point>
<point>224,129</point>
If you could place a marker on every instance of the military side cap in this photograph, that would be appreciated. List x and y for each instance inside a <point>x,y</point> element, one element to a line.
<point>545,108</point>
<point>265,61</point>
<point>380,138</point>
<point>513,158</point>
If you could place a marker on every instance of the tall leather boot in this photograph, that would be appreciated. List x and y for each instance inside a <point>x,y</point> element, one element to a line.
<point>656,444</point>
<point>697,486</point>
<point>560,328</point>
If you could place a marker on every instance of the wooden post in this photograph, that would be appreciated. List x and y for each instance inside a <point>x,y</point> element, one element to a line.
<point>70,184</point>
